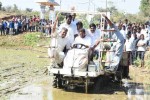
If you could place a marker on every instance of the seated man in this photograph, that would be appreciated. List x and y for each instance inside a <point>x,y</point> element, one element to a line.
<point>117,48</point>
<point>83,38</point>
<point>59,42</point>
<point>78,56</point>
<point>95,35</point>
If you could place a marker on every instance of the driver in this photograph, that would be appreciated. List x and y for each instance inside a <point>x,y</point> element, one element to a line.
<point>83,38</point>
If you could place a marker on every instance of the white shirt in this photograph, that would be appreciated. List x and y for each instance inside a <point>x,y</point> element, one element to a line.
<point>16,25</point>
<point>60,43</point>
<point>74,21</point>
<point>72,30</point>
<point>86,40</point>
<point>129,44</point>
<point>94,36</point>
<point>144,32</point>
<point>123,32</point>
<point>138,35</point>
<point>141,48</point>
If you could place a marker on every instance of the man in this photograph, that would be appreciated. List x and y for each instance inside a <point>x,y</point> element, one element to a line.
<point>58,43</point>
<point>72,29</point>
<point>117,48</point>
<point>79,26</point>
<point>83,39</point>
<point>74,21</point>
<point>129,46</point>
<point>95,35</point>
<point>123,31</point>
<point>134,51</point>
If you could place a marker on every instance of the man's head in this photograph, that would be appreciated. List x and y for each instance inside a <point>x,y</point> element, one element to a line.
<point>92,27</point>
<point>128,35</point>
<point>134,35</point>
<point>123,27</point>
<point>79,25</point>
<point>126,21</point>
<point>68,19</point>
<point>134,30</point>
<point>82,33</point>
<point>143,26</point>
<point>63,32</point>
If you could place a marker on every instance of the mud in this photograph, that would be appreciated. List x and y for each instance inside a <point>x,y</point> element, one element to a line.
<point>23,77</point>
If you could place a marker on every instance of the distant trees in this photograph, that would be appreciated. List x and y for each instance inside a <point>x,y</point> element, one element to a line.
<point>29,10</point>
<point>0,5</point>
<point>145,7</point>
<point>15,8</point>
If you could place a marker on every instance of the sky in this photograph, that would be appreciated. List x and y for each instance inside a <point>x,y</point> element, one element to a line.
<point>129,6</point>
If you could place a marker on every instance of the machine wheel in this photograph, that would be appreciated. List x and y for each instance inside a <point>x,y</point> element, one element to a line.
<point>57,82</point>
<point>98,85</point>
<point>86,85</point>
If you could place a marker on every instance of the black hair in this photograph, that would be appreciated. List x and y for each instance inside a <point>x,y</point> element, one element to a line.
<point>65,29</point>
<point>79,23</point>
<point>68,16</point>
<point>92,25</point>
<point>82,30</point>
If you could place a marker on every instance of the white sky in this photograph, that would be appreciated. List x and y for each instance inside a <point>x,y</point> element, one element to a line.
<point>130,6</point>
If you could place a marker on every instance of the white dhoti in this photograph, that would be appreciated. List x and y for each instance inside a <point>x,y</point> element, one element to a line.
<point>57,55</point>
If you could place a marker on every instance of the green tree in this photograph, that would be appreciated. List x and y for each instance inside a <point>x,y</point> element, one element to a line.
<point>145,7</point>
<point>0,5</point>
<point>15,8</point>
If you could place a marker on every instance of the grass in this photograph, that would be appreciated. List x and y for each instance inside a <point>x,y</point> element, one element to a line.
<point>31,39</point>
<point>25,39</point>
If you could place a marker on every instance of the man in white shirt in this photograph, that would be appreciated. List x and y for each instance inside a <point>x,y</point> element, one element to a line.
<point>72,29</point>
<point>95,36</point>
<point>123,31</point>
<point>74,21</point>
<point>144,32</point>
<point>129,46</point>
<point>134,48</point>
<point>83,38</point>
<point>58,43</point>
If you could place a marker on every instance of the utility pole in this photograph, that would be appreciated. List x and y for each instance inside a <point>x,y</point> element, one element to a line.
<point>89,5</point>
<point>106,7</point>
<point>60,4</point>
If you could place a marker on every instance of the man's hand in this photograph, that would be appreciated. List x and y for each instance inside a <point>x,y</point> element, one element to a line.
<point>104,15</point>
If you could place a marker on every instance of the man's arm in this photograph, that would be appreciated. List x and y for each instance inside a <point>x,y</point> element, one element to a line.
<point>55,23</point>
<point>109,22</point>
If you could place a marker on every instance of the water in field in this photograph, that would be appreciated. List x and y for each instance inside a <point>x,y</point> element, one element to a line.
<point>23,77</point>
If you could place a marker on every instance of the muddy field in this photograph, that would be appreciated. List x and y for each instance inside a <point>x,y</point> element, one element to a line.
<point>23,77</point>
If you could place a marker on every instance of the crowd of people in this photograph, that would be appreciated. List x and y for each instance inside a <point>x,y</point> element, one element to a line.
<point>19,24</point>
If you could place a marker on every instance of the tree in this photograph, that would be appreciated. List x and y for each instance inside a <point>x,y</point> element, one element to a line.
<point>15,8</point>
<point>145,7</point>
<point>29,10</point>
<point>0,5</point>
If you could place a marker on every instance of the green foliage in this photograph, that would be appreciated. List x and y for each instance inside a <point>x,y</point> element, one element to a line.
<point>137,62</point>
<point>0,5</point>
<point>145,7</point>
<point>31,39</point>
